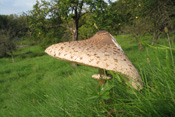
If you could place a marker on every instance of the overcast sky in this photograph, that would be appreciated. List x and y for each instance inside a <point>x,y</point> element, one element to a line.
<point>15,6</point>
<point>8,7</point>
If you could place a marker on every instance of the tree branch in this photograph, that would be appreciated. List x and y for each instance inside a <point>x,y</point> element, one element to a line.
<point>55,26</point>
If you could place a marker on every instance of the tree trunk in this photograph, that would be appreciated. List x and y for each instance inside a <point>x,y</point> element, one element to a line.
<point>13,60</point>
<point>140,46</point>
<point>158,36</point>
<point>156,33</point>
<point>138,42</point>
<point>75,34</point>
<point>74,38</point>
<point>153,41</point>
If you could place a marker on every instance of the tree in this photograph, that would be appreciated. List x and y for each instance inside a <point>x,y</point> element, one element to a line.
<point>139,28</point>
<point>160,13</point>
<point>42,29</point>
<point>7,44</point>
<point>62,13</point>
<point>11,28</point>
<point>146,16</point>
<point>131,22</point>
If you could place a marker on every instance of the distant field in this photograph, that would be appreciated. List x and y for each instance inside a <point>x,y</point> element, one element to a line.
<point>39,85</point>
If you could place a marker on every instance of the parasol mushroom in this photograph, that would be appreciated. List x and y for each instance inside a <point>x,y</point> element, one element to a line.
<point>100,51</point>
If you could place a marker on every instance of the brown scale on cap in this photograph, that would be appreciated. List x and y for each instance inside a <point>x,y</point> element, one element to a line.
<point>100,51</point>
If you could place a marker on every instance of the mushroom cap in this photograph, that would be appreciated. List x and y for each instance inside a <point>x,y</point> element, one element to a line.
<point>100,51</point>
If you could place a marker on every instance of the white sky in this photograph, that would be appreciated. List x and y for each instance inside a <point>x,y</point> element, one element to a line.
<point>8,7</point>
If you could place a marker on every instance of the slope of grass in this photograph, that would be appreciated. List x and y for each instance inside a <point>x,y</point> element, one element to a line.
<point>39,85</point>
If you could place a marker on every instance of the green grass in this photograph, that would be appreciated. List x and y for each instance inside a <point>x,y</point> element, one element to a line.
<point>39,85</point>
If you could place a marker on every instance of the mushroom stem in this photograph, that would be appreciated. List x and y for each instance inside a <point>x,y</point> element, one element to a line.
<point>101,82</point>
<point>102,73</point>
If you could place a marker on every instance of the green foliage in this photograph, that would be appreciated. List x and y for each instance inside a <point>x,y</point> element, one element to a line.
<point>14,23</point>
<point>85,17</point>
<point>39,85</point>
<point>11,27</point>
<point>160,14</point>
<point>76,17</point>
<point>6,43</point>
<point>87,27</point>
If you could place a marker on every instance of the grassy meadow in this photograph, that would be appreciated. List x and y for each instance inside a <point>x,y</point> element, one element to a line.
<point>39,85</point>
